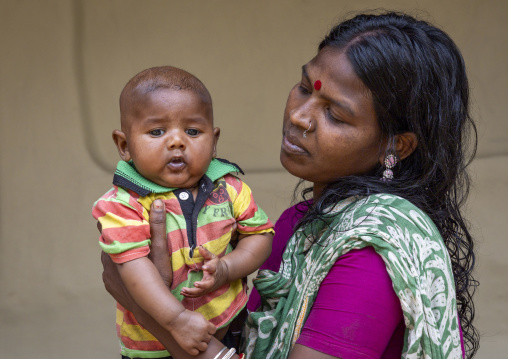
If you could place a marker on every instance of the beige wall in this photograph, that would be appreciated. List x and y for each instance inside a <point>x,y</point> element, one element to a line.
<point>62,66</point>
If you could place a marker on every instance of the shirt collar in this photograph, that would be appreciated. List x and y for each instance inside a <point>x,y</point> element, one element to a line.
<point>128,177</point>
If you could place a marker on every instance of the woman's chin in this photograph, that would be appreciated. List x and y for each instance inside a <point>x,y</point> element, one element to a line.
<point>295,168</point>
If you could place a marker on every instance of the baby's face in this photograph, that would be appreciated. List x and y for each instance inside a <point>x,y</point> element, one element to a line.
<point>171,138</point>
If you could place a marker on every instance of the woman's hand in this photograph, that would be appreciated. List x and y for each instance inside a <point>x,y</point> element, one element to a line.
<point>114,284</point>
<point>215,275</point>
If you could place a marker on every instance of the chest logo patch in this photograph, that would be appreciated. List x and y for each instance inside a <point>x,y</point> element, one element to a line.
<point>218,196</point>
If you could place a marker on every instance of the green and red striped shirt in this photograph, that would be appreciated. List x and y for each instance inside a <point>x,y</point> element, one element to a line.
<point>223,205</point>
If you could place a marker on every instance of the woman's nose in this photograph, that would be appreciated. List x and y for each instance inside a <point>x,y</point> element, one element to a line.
<point>302,114</point>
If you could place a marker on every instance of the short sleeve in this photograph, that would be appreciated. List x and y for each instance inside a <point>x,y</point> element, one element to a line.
<point>356,312</point>
<point>249,216</point>
<point>125,229</point>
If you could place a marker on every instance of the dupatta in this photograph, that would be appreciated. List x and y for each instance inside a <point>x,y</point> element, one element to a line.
<point>416,259</point>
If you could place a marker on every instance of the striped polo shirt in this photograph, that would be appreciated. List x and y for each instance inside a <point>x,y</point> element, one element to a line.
<point>224,204</point>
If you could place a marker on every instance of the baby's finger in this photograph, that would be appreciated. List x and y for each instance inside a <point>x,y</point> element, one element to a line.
<point>193,351</point>
<point>209,268</point>
<point>212,329</point>
<point>205,283</point>
<point>207,255</point>
<point>202,346</point>
<point>192,292</point>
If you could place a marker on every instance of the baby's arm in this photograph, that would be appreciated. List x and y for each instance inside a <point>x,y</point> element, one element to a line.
<point>140,276</point>
<point>252,251</point>
<point>145,285</point>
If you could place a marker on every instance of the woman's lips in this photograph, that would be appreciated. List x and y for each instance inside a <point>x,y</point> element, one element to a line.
<point>289,145</point>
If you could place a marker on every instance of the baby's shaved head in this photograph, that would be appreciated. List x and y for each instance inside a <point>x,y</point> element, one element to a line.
<point>157,78</point>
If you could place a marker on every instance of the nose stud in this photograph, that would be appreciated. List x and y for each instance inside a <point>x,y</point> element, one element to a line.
<point>305,132</point>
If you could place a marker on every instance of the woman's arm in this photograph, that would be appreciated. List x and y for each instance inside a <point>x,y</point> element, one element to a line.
<point>302,352</point>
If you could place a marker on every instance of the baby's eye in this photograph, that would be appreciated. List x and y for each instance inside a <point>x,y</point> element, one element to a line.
<point>192,132</point>
<point>157,133</point>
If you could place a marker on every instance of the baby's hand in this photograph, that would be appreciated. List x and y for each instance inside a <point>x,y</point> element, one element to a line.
<point>192,331</point>
<point>215,275</point>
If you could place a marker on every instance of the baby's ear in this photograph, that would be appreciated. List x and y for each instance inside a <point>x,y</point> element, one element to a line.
<point>120,141</point>
<point>216,135</point>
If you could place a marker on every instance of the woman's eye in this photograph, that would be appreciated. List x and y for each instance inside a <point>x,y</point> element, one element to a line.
<point>303,89</point>
<point>157,133</point>
<point>192,132</point>
<point>331,117</point>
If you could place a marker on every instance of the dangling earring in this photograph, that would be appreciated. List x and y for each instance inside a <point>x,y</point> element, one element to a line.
<point>305,132</point>
<point>390,162</point>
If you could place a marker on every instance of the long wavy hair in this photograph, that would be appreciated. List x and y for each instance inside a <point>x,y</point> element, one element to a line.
<point>417,79</point>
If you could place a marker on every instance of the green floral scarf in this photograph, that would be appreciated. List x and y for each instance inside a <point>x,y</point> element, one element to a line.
<point>416,260</point>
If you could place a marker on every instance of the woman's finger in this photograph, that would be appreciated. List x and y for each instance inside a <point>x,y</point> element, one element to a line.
<point>158,224</point>
<point>160,248</point>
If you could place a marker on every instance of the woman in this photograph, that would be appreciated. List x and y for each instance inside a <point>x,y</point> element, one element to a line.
<point>379,264</point>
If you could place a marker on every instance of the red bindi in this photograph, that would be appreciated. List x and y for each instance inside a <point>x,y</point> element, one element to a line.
<point>317,84</point>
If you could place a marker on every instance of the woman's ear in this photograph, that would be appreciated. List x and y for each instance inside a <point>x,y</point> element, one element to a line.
<point>121,144</point>
<point>405,144</point>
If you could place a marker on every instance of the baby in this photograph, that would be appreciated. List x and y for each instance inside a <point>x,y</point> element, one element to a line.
<point>167,144</point>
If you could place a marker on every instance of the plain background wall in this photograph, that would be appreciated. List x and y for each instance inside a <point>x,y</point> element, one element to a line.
<point>62,66</point>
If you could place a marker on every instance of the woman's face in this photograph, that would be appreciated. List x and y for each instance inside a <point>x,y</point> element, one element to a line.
<point>344,137</point>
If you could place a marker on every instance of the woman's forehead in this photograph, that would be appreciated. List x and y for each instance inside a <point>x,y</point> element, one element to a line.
<point>336,75</point>
<point>331,62</point>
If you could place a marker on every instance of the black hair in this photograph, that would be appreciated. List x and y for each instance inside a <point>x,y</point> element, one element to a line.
<point>417,79</point>
<point>161,77</point>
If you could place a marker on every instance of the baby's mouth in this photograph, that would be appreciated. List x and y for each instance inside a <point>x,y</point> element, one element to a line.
<point>176,163</point>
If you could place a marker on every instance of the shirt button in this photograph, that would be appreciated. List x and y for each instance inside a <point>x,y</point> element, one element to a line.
<point>183,196</point>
